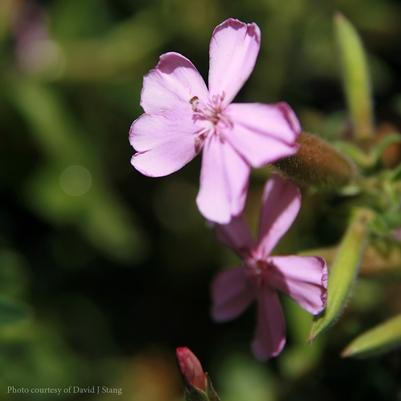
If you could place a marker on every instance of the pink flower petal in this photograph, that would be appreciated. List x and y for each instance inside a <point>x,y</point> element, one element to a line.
<point>269,339</point>
<point>164,159</point>
<point>233,51</point>
<point>171,85</point>
<point>231,294</point>
<point>259,150</point>
<point>165,143</point>
<point>223,182</point>
<point>303,278</point>
<point>263,133</point>
<point>236,235</point>
<point>275,120</point>
<point>281,202</point>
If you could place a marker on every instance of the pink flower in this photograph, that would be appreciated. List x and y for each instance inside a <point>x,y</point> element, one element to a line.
<point>303,278</point>
<point>182,117</point>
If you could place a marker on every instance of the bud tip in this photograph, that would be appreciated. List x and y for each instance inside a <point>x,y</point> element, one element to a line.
<point>191,368</point>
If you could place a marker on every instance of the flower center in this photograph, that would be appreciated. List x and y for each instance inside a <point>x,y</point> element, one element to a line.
<point>257,272</point>
<point>210,117</point>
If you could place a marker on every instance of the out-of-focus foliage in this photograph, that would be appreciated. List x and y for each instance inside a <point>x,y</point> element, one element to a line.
<point>11,313</point>
<point>103,272</point>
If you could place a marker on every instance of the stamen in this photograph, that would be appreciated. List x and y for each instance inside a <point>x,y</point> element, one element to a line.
<point>199,140</point>
<point>257,271</point>
<point>212,113</point>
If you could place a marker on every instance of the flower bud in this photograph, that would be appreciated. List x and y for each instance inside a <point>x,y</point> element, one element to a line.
<point>318,164</point>
<point>191,368</point>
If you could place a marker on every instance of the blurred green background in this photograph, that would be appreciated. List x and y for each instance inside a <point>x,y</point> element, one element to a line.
<point>103,271</point>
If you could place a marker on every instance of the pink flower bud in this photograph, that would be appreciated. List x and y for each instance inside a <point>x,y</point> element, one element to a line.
<point>191,368</point>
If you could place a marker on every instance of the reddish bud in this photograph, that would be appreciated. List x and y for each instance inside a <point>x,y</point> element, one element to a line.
<point>191,368</point>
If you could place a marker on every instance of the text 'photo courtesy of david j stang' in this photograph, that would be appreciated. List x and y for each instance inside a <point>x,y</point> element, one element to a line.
<point>65,390</point>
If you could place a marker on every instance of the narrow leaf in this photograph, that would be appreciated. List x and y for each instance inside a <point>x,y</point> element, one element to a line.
<point>356,79</point>
<point>344,269</point>
<point>382,338</point>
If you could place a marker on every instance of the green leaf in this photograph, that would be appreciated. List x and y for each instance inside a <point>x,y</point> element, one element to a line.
<point>12,312</point>
<point>379,339</point>
<point>344,269</point>
<point>356,78</point>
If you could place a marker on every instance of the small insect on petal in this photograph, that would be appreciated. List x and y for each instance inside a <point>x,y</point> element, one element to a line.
<point>194,103</point>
